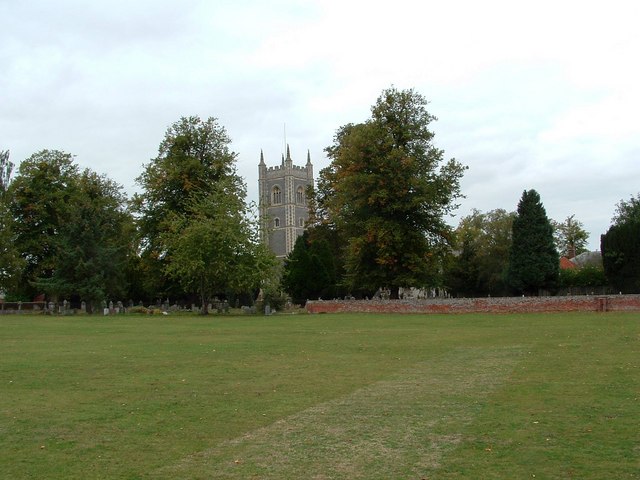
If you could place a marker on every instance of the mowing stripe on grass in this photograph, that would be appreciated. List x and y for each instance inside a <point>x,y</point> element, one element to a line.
<point>396,428</point>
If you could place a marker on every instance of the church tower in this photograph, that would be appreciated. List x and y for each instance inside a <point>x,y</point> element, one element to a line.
<point>283,202</point>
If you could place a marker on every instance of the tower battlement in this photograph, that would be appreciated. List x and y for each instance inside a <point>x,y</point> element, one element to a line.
<point>283,202</point>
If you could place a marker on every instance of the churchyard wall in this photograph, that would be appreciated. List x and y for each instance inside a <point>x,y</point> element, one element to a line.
<point>581,303</point>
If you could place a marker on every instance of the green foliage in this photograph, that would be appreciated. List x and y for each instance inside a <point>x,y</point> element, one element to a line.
<point>95,243</point>
<point>313,270</point>
<point>570,237</point>
<point>387,190</point>
<point>11,263</point>
<point>533,258</point>
<point>620,248</point>
<point>213,247</point>
<point>627,211</point>
<point>585,277</point>
<point>39,203</point>
<point>193,156</point>
<point>484,240</point>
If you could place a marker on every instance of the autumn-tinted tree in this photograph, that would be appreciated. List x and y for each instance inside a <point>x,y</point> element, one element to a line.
<point>39,203</point>
<point>620,247</point>
<point>533,258</point>
<point>570,237</point>
<point>388,189</point>
<point>193,156</point>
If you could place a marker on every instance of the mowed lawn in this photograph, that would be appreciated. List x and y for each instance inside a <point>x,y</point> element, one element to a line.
<point>321,397</point>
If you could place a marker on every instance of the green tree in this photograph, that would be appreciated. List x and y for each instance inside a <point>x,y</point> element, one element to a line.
<point>10,261</point>
<point>39,204</point>
<point>620,247</point>
<point>570,237</point>
<point>388,190</point>
<point>627,211</point>
<point>192,158</point>
<point>94,244</point>
<point>213,247</point>
<point>533,258</point>
<point>485,240</point>
<point>316,250</point>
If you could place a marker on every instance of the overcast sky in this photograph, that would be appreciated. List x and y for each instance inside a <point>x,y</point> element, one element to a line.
<point>541,95</point>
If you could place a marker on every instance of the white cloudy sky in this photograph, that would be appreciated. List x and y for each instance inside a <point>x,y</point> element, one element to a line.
<point>540,95</point>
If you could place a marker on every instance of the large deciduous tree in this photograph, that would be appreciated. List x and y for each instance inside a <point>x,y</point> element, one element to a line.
<point>197,234</point>
<point>39,202</point>
<point>388,189</point>
<point>94,245</point>
<point>570,237</point>
<point>533,259</point>
<point>71,229</point>
<point>620,247</point>
<point>194,155</point>
<point>483,242</point>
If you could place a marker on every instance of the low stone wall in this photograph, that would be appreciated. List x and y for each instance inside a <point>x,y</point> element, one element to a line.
<point>586,303</point>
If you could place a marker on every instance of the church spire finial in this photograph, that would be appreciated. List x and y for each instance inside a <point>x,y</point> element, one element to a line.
<point>288,153</point>
<point>308,157</point>
<point>261,158</point>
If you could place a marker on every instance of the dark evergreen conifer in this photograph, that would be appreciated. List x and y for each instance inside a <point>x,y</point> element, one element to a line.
<point>620,247</point>
<point>533,259</point>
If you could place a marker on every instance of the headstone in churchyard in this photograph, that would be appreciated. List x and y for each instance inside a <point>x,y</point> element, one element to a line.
<point>83,307</point>
<point>111,309</point>
<point>120,307</point>
<point>267,309</point>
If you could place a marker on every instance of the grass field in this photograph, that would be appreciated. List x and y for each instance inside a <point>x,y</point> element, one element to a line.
<point>321,397</point>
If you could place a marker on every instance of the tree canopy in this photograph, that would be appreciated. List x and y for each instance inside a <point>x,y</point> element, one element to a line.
<point>483,241</point>
<point>10,260</point>
<point>196,230</point>
<point>192,158</point>
<point>533,258</point>
<point>388,190</point>
<point>620,247</point>
<point>317,251</point>
<point>570,237</point>
<point>39,205</point>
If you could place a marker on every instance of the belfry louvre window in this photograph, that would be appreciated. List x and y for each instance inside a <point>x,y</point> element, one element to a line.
<point>300,195</point>
<point>277,195</point>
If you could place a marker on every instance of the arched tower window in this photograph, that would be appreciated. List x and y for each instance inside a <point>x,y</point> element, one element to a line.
<point>276,222</point>
<point>277,195</point>
<point>300,195</point>
<point>301,222</point>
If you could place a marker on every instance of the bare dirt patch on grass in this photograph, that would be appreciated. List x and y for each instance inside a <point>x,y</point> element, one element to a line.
<point>396,428</point>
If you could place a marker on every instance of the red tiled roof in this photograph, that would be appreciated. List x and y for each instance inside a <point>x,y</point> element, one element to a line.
<point>566,264</point>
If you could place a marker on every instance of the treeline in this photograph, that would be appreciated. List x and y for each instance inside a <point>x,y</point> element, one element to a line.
<point>377,220</point>
<point>73,234</point>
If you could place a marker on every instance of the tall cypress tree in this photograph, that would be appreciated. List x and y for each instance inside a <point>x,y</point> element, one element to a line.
<point>533,259</point>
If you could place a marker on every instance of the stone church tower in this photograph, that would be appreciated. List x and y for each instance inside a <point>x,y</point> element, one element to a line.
<point>283,202</point>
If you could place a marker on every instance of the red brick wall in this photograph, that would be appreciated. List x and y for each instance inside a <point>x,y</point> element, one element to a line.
<point>587,303</point>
